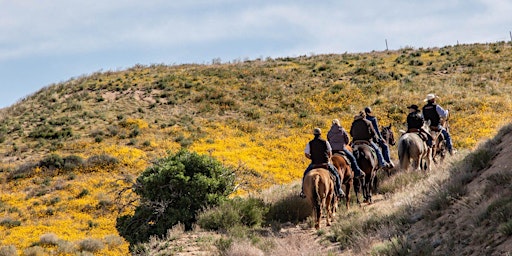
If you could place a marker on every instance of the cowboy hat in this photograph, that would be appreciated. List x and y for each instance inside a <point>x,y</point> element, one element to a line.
<point>430,96</point>
<point>413,106</point>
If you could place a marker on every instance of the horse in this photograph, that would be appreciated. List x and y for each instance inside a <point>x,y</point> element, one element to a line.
<point>439,148</point>
<point>367,161</point>
<point>346,174</point>
<point>389,139</point>
<point>388,135</point>
<point>412,147</point>
<point>319,190</point>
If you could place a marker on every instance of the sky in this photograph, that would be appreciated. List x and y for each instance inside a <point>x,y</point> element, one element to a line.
<point>48,42</point>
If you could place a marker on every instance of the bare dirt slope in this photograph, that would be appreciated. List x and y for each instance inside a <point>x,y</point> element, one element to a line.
<point>466,227</point>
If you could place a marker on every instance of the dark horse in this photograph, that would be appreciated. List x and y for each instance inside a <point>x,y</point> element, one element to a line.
<point>346,175</point>
<point>439,148</point>
<point>388,135</point>
<point>319,190</point>
<point>367,161</point>
<point>411,147</point>
<point>389,139</point>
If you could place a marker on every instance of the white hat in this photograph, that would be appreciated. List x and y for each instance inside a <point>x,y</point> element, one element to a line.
<point>317,131</point>
<point>336,122</point>
<point>430,96</point>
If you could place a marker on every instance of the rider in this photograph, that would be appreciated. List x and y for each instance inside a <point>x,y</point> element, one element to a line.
<point>320,152</point>
<point>433,112</point>
<point>415,123</point>
<point>385,149</point>
<point>338,138</point>
<point>362,129</point>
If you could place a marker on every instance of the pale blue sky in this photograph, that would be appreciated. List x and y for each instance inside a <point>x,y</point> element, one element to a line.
<point>46,42</point>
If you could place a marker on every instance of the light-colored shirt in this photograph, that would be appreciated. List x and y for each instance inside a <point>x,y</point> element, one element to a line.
<point>308,150</point>
<point>441,111</point>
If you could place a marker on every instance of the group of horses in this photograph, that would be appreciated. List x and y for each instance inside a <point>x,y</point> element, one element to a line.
<point>412,151</point>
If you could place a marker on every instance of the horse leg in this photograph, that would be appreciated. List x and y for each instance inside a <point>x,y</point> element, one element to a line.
<point>347,193</point>
<point>328,209</point>
<point>371,186</point>
<point>357,187</point>
<point>366,185</point>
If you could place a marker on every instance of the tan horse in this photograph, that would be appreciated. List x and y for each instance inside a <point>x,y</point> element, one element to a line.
<point>412,148</point>
<point>319,190</point>
<point>345,172</point>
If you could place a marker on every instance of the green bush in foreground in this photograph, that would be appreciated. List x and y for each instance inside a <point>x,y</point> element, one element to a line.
<point>172,191</point>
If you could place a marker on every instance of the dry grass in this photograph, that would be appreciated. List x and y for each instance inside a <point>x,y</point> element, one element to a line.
<point>255,114</point>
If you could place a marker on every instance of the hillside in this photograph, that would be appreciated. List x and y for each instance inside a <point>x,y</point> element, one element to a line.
<point>255,114</point>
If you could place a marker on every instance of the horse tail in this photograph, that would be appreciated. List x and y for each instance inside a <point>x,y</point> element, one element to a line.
<point>403,153</point>
<point>316,194</point>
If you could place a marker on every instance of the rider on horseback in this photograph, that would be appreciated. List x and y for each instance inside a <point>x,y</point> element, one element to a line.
<point>362,129</point>
<point>385,149</point>
<point>320,151</point>
<point>434,113</point>
<point>338,138</point>
<point>415,123</point>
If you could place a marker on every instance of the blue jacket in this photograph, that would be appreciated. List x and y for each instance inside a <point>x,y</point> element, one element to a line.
<point>375,125</point>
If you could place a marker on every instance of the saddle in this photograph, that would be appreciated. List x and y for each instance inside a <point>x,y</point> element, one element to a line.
<point>325,166</point>
<point>420,133</point>
<point>342,154</point>
<point>360,142</point>
<point>434,128</point>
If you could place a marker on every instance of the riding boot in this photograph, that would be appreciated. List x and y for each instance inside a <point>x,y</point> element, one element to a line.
<point>333,170</point>
<point>310,167</point>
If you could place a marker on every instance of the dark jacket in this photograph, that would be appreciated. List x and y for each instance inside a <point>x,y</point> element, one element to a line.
<point>362,129</point>
<point>337,137</point>
<point>319,151</point>
<point>414,120</point>
<point>430,113</point>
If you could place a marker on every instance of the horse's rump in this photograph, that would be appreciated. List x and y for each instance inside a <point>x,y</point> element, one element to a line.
<point>411,147</point>
<point>319,189</point>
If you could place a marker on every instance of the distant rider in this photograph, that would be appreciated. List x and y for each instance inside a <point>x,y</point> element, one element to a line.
<point>434,113</point>
<point>320,152</point>
<point>375,123</point>
<point>415,123</point>
<point>338,138</point>
<point>362,129</point>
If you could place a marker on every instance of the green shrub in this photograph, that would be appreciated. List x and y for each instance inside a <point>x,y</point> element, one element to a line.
<point>9,250</point>
<point>23,171</point>
<point>72,162</point>
<point>248,212</point>
<point>91,245</point>
<point>172,191</point>
<point>102,160</point>
<point>289,209</point>
<point>10,223</point>
<point>52,162</point>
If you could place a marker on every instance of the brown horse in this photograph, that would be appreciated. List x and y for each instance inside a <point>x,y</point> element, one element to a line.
<point>319,190</point>
<point>367,161</point>
<point>388,135</point>
<point>346,174</point>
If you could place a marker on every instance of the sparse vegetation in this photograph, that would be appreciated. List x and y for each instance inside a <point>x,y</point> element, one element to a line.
<point>95,133</point>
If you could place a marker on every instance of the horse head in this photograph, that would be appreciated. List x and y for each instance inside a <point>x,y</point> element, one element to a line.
<point>389,136</point>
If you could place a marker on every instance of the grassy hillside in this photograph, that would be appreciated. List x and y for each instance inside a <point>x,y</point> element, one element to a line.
<point>71,149</point>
